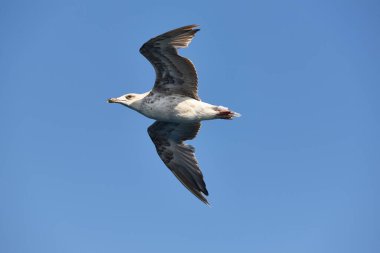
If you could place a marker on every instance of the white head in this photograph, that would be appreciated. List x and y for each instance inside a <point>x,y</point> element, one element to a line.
<point>131,100</point>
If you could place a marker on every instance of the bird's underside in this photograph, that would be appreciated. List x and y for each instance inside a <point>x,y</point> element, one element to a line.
<point>174,101</point>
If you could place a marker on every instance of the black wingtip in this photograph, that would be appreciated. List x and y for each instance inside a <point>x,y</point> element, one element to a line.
<point>205,201</point>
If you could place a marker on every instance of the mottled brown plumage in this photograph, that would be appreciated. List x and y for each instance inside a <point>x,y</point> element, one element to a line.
<point>174,73</point>
<point>179,157</point>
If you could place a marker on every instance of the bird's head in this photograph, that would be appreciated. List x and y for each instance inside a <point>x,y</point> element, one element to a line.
<point>129,100</point>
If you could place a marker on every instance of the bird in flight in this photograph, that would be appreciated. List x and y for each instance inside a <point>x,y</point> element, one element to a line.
<point>175,105</point>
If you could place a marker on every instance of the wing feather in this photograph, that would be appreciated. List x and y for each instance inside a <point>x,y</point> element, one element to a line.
<point>179,157</point>
<point>174,74</point>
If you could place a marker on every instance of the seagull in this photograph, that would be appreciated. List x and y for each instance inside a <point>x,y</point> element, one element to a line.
<point>175,105</point>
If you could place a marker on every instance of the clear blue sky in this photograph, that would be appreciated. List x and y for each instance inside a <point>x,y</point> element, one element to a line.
<point>299,172</point>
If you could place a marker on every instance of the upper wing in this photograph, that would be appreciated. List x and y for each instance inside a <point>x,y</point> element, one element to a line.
<point>174,73</point>
<point>178,156</point>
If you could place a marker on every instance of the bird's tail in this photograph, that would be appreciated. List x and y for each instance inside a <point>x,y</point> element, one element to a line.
<point>225,113</point>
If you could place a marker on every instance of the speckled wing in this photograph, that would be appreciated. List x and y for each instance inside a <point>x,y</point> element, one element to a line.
<point>174,73</point>
<point>179,157</point>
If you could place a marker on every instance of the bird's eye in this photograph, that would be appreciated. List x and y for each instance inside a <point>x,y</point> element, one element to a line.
<point>129,96</point>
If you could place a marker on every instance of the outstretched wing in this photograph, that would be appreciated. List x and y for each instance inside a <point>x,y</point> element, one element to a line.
<point>179,157</point>
<point>174,73</point>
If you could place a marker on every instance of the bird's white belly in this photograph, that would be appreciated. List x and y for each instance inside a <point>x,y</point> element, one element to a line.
<point>178,109</point>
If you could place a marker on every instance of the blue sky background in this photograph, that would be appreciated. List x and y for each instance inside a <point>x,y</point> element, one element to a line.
<point>299,172</point>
